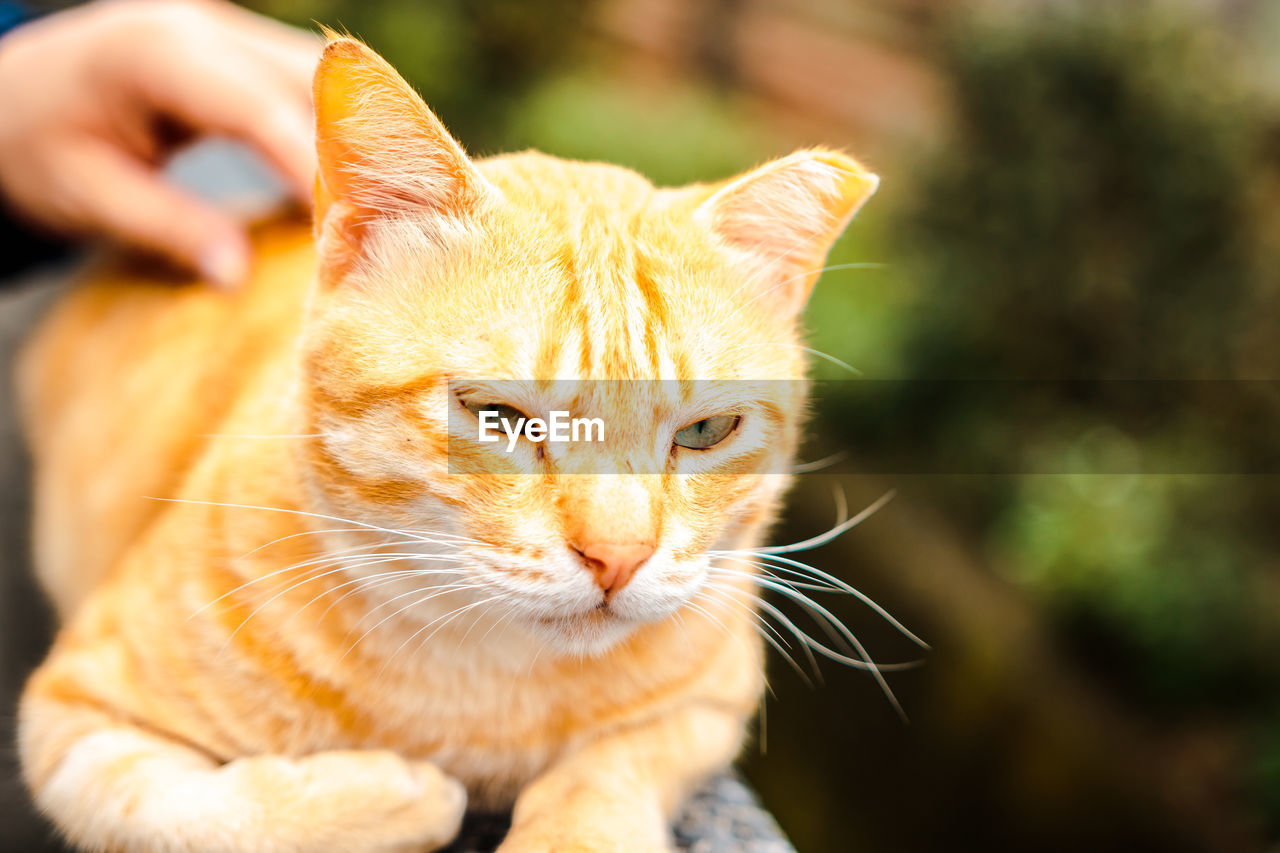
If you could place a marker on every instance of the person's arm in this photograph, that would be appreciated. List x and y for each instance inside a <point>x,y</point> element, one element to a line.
<point>96,98</point>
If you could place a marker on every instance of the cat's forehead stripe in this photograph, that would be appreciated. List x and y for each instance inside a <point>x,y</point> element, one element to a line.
<point>608,298</point>
<point>565,334</point>
<point>654,311</point>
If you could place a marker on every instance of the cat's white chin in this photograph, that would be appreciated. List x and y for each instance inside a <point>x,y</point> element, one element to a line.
<point>594,632</point>
<point>588,634</point>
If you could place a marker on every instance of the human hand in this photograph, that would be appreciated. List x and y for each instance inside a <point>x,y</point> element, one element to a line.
<point>95,99</point>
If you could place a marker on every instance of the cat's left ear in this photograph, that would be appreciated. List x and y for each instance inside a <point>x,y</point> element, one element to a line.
<point>782,218</point>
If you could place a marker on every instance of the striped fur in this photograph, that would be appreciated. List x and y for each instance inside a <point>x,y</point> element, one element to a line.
<point>256,655</point>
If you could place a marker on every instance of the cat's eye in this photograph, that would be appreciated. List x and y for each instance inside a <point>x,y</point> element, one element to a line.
<point>509,416</point>
<point>707,432</point>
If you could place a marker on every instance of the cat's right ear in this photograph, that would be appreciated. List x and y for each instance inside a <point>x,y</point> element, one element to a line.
<point>780,220</point>
<point>381,151</point>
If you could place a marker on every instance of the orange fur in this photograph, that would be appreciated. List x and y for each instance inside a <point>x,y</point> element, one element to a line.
<point>218,685</point>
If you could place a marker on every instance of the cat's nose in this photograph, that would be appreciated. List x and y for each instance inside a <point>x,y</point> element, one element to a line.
<point>612,564</point>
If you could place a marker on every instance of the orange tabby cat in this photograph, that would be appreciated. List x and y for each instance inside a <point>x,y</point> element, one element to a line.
<point>319,635</point>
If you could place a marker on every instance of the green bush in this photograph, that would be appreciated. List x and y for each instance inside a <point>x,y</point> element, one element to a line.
<point>1105,210</point>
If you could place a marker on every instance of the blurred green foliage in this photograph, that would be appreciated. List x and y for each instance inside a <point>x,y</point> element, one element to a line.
<point>676,135</point>
<point>1097,214</point>
<point>470,59</point>
<point>1105,209</point>
<point>1100,195</point>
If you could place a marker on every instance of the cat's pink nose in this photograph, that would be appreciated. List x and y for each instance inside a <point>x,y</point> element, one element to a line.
<point>613,565</point>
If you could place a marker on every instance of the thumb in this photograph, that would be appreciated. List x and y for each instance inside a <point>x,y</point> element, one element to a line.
<point>130,202</point>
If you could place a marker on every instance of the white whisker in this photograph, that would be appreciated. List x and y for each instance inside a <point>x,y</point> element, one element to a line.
<point>318,532</point>
<point>449,617</point>
<point>261,435</point>
<point>315,563</point>
<point>819,464</point>
<point>819,353</point>
<point>300,512</point>
<point>833,533</point>
<point>836,585</point>
<point>363,584</point>
<point>309,578</point>
<point>434,593</point>
<point>373,582</point>
<point>777,640</point>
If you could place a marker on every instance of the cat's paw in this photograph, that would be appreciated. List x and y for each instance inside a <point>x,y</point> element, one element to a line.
<point>353,801</point>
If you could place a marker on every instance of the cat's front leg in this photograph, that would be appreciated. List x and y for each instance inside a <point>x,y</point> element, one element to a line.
<point>111,785</point>
<point>616,794</point>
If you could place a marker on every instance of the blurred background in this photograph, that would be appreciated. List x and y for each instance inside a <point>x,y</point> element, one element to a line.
<point>1080,203</point>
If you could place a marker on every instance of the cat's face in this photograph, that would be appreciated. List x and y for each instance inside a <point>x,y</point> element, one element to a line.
<point>525,286</point>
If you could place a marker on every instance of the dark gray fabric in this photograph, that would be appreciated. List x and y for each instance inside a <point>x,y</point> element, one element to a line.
<point>723,817</point>
<point>25,620</point>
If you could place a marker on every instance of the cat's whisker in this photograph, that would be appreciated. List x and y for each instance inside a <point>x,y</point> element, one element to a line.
<point>504,620</point>
<point>262,435</point>
<point>836,630</point>
<point>448,617</point>
<point>365,583</point>
<point>251,582</point>
<point>461,640</point>
<point>863,661</point>
<point>319,562</point>
<point>815,273</point>
<point>372,582</point>
<point>369,613</point>
<point>821,615</point>
<point>684,631</point>
<point>768,269</point>
<point>318,532</point>
<point>801,243</point>
<point>698,608</point>
<point>435,592</point>
<point>836,585</point>
<point>842,503</point>
<point>826,628</point>
<point>407,536</point>
<point>750,594</point>
<point>772,572</point>
<point>833,533</point>
<point>361,584</point>
<point>456,615</point>
<point>816,352</point>
<point>466,540</point>
<point>773,637</point>
<point>769,633</point>
<point>299,512</point>
<point>829,622</point>
<point>309,578</point>
<point>780,644</point>
<point>821,648</point>
<point>316,563</point>
<point>819,464</point>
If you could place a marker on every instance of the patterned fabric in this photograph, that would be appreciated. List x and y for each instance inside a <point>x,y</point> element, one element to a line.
<point>723,817</point>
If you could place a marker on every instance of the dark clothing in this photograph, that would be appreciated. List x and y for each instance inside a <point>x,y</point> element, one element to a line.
<point>20,247</point>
